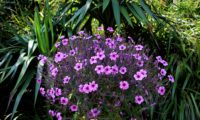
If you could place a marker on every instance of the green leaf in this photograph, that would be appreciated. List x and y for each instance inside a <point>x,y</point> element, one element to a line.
<point>105,4</point>
<point>140,13</point>
<point>125,14</point>
<point>134,12</point>
<point>195,105</point>
<point>116,11</point>
<point>27,78</point>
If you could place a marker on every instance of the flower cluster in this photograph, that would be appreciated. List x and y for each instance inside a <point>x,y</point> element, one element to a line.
<point>94,76</point>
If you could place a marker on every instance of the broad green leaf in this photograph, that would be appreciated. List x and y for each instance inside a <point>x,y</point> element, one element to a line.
<point>116,11</point>
<point>134,12</point>
<point>126,15</point>
<point>27,79</point>
<point>105,4</point>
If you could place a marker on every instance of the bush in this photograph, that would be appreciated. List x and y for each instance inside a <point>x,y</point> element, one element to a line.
<point>94,76</point>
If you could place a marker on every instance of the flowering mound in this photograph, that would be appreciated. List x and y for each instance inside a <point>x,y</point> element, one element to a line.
<point>102,77</point>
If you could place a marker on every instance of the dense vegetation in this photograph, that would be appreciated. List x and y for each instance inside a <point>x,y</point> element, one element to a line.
<point>29,28</point>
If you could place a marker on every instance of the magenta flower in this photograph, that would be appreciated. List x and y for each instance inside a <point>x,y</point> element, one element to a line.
<point>163,72</point>
<point>78,66</point>
<point>114,56</point>
<point>74,108</point>
<point>164,63</point>
<point>100,55</point>
<point>42,91</point>
<point>81,33</point>
<point>108,70</point>
<point>54,72</point>
<point>58,91</point>
<point>58,116</point>
<point>143,72</point>
<point>138,76</point>
<point>123,70</point>
<point>110,29</point>
<point>62,37</point>
<point>52,113</point>
<point>57,44</point>
<point>161,90</point>
<point>124,85</point>
<point>86,88</point>
<point>64,42</point>
<point>66,79</point>
<point>122,47</point>
<point>51,93</point>
<point>138,47</point>
<point>93,86</point>
<point>73,37</point>
<point>72,52</point>
<point>158,58</point>
<point>58,57</point>
<point>171,78</point>
<point>64,101</point>
<point>137,56</point>
<point>140,63</point>
<point>93,60</point>
<point>93,113</point>
<point>139,99</point>
<point>80,88</point>
<point>115,69</point>
<point>99,69</point>
<point>100,28</point>
<point>119,39</point>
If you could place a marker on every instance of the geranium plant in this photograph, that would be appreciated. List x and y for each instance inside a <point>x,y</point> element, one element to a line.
<point>94,76</point>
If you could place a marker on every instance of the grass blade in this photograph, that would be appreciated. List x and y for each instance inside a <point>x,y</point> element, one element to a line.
<point>105,4</point>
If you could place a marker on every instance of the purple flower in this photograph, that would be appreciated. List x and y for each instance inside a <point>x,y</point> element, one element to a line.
<point>119,39</point>
<point>93,60</point>
<point>81,33</point>
<point>163,72</point>
<point>100,55</point>
<point>164,63</point>
<point>58,57</point>
<point>140,63</point>
<point>58,91</point>
<point>66,79</point>
<point>123,70</point>
<point>64,101</point>
<point>80,88</point>
<point>42,91</point>
<point>58,116</point>
<point>52,113</point>
<point>65,41</point>
<point>99,69</point>
<point>124,85</point>
<point>62,37</point>
<point>138,76</point>
<point>78,66</point>
<point>108,70</point>
<point>171,78</point>
<point>137,56</point>
<point>100,28</point>
<point>86,88</point>
<point>138,47</point>
<point>93,86</point>
<point>158,58</point>
<point>110,29</point>
<point>54,72</point>
<point>74,108</point>
<point>114,56</point>
<point>51,93</point>
<point>115,69</point>
<point>57,44</point>
<point>73,37</point>
<point>93,113</point>
<point>72,52</point>
<point>161,90</point>
<point>139,99</point>
<point>122,47</point>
